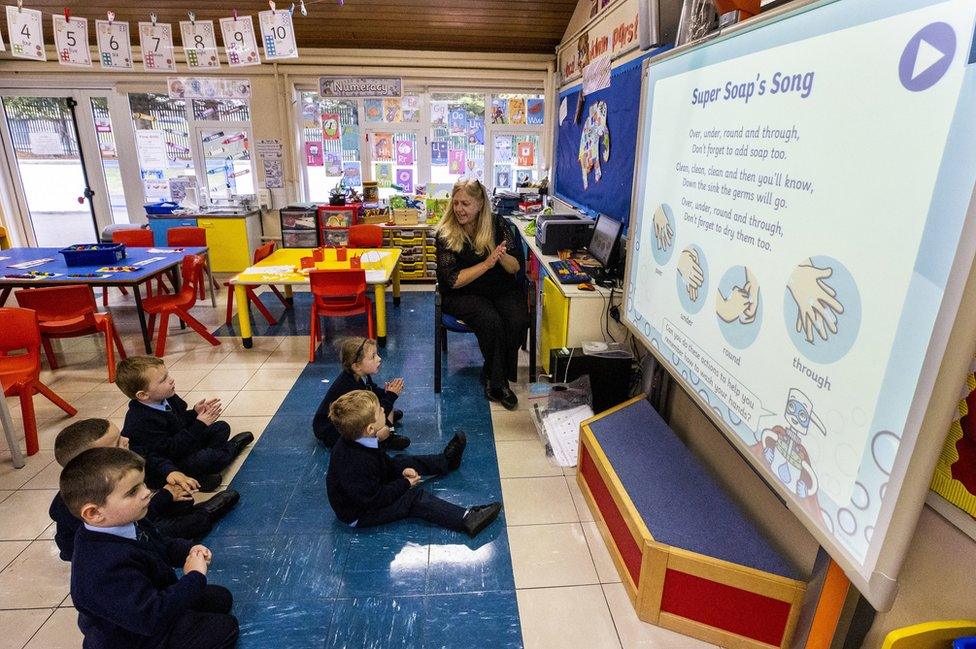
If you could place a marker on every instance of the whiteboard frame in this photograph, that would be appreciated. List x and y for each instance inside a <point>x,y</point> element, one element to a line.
<point>936,394</point>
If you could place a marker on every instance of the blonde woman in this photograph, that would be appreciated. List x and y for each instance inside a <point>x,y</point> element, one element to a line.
<point>478,260</point>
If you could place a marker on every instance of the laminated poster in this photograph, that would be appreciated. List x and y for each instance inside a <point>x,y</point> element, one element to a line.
<point>156,42</point>
<point>457,119</point>
<point>438,113</point>
<point>476,130</point>
<point>499,111</point>
<point>156,190</point>
<point>503,176</point>
<point>352,174</point>
<point>114,44</point>
<point>200,44</point>
<point>404,152</point>
<point>374,110</point>
<point>240,43</point>
<point>526,154</point>
<point>313,154</point>
<point>278,35</point>
<point>71,41</point>
<point>456,161</point>
<point>384,174</point>
<point>392,111</point>
<point>516,111</point>
<point>438,152</point>
<point>383,146</point>
<point>410,105</point>
<point>151,146</point>
<point>311,117</point>
<point>503,148</point>
<point>404,178</point>
<point>333,163</point>
<point>45,143</point>
<point>26,33</point>
<point>274,177</point>
<point>535,110</point>
<point>331,126</point>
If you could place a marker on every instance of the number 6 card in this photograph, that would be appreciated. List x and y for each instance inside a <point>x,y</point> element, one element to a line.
<point>279,35</point>
<point>71,41</point>
<point>239,41</point>
<point>114,45</point>
<point>200,44</point>
<point>156,41</point>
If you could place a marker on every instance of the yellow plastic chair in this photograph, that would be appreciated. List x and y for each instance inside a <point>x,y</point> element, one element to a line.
<point>929,635</point>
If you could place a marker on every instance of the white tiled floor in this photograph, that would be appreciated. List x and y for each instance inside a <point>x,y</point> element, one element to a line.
<point>569,593</point>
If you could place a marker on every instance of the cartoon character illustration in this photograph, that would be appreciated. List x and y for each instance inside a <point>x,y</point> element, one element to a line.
<point>783,449</point>
<point>595,133</point>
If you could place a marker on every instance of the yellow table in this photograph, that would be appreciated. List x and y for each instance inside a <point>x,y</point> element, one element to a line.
<point>377,275</point>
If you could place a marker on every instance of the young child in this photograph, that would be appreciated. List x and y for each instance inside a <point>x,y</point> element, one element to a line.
<point>359,362</point>
<point>171,436</point>
<point>122,579</point>
<point>171,509</point>
<point>367,487</point>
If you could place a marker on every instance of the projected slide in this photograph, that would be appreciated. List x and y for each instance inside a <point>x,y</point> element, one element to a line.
<point>803,188</point>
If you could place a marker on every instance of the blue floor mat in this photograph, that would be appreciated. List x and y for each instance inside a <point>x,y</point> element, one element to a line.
<point>302,579</point>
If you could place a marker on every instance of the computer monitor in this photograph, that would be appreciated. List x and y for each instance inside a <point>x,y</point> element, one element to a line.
<point>605,241</point>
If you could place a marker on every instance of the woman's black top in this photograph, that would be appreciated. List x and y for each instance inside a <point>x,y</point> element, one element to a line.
<point>495,280</point>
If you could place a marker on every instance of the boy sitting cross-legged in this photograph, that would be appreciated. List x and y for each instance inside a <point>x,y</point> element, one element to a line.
<point>367,487</point>
<point>171,509</point>
<point>122,579</point>
<point>171,436</point>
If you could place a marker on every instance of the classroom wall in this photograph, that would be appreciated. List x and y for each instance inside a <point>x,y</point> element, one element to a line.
<point>936,578</point>
<point>273,94</point>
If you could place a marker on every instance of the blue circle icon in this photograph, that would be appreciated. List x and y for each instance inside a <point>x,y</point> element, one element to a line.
<point>927,57</point>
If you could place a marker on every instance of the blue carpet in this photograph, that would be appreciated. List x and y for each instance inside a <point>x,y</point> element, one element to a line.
<point>302,579</point>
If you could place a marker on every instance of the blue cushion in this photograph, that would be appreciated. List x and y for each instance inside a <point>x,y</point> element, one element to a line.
<point>453,324</point>
<point>680,502</point>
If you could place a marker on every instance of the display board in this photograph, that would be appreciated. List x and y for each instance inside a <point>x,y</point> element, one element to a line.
<point>802,247</point>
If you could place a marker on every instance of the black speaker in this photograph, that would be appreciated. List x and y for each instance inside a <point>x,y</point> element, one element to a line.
<point>610,378</point>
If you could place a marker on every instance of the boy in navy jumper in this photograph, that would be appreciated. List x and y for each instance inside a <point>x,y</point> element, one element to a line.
<point>360,360</point>
<point>170,435</point>
<point>366,487</point>
<point>171,509</point>
<point>122,579</point>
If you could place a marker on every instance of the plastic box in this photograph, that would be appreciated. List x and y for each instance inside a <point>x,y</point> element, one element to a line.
<point>166,207</point>
<point>93,254</point>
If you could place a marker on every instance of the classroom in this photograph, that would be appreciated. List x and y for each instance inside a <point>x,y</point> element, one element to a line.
<point>374,323</point>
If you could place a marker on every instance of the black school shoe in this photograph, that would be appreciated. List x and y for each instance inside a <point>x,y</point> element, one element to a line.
<point>209,482</point>
<point>480,517</point>
<point>454,450</point>
<point>395,442</point>
<point>504,396</point>
<point>240,441</point>
<point>218,506</point>
<point>396,416</point>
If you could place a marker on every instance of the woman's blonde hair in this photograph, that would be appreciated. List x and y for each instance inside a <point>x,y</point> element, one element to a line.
<point>451,232</point>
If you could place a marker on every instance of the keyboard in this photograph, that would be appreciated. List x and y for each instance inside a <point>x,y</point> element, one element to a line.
<point>569,272</point>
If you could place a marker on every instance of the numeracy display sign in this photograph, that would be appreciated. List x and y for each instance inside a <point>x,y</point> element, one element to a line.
<point>801,198</point>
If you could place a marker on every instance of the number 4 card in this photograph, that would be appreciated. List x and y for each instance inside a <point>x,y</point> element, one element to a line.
<point>114,45</point>
<point>71,41</point>
<point>156,42</point>
<point>278,34</point>
<point>199,44</point>
<point>239,41</point>
<point>26,33</point>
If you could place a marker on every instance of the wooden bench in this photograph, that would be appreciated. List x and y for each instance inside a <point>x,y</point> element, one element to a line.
<point>689,558</point>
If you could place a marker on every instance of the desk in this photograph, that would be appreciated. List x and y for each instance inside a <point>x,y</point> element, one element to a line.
<point>69,275</point>
<point>388,268</point>
<point>567,316</point>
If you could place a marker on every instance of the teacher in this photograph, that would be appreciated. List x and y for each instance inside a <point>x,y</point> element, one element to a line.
<point>478,261</point>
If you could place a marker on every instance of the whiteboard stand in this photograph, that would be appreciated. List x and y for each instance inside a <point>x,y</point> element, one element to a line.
<point>8,429</point>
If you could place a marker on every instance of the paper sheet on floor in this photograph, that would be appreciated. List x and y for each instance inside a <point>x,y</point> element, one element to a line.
<point>562,430</point>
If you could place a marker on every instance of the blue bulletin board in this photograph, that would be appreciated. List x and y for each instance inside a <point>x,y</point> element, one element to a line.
<point>611,194</point>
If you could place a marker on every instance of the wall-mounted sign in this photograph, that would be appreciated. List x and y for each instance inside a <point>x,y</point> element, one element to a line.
<point>208,88</point>
<point>613,32</point>
<point>360,87</point>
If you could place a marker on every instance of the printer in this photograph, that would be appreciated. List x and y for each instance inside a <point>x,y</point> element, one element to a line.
<point>555,232</point>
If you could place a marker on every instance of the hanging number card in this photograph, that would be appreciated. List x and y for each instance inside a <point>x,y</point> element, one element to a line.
<point>239,42</point>
<point>71,41</point>
<point>199,44</point>
<point>156,42</point>
<point>278,35</point>
<point>114,45</point>
<point>26,33</point>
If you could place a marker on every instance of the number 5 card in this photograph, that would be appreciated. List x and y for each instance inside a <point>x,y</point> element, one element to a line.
<point>71,41</point>
<point>279,35</point>
<point>239,41</point>
<point>156,41</point>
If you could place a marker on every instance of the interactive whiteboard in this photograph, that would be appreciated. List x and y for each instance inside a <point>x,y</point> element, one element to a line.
<point>801,248</point>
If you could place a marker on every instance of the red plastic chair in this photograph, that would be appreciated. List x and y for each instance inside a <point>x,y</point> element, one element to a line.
<point>263,252</point>
<point>135,238</point>
<point>179,304</point>
<point>68,312</point>
<point>189,236</point>
<point>20,374</point>
<point>337,293</point>
<point>365,236</point>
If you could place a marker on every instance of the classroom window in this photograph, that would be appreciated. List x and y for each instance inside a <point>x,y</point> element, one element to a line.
<point>163,143</point>
<point>457,139</point>
<point>221,110</point>
<point>330,141</point>
<point>515,160</point>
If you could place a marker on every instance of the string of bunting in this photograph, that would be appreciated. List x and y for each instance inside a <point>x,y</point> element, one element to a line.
<point>25,31</point>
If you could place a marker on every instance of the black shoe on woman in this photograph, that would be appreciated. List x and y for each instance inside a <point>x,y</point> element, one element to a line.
<point>504,396</point>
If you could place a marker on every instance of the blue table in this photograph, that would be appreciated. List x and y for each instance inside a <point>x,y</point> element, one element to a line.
<point>75,274</point>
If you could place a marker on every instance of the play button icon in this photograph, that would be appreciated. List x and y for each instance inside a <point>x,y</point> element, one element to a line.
<point>927,57</point>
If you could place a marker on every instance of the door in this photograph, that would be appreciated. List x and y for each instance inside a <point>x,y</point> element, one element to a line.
<point>61,147</point>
